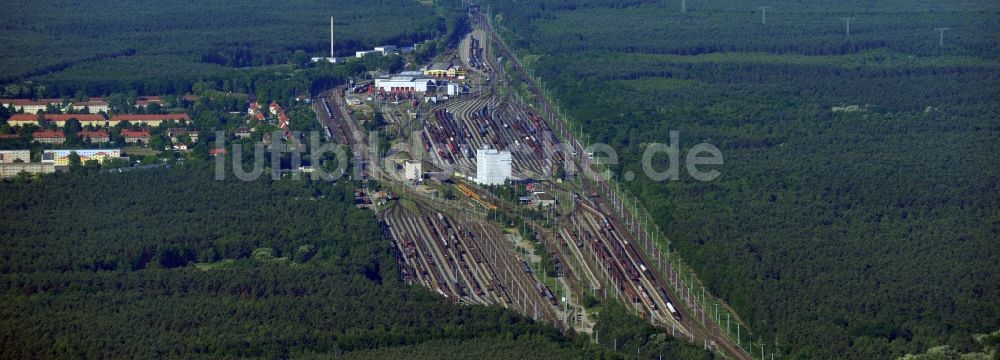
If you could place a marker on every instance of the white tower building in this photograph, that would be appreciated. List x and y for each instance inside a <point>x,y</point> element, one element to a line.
<point>493,167</point>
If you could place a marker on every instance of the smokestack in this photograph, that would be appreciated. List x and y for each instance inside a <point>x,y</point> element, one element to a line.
<point>331,37</point>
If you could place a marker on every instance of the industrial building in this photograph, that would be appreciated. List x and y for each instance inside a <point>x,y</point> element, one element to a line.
<point>444,70</point>
<point>61,157</point>
<point>386,49</point>
<point>493,167</point>
<point>363,53</point>
<point>332,60</point>
<point>403,84</point>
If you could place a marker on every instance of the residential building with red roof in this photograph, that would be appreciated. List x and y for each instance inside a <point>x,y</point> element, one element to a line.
<point>49,136</point>
<point>175,134</point>
<point>29,106</point>
<point>144,101</point>
<point>95,136</point>
<point>275,108</point>
<point>60,120</point>
<point>22,119</point>
<point>93,105</point>
<point>150,119</point>
<point>136,136</point>
<point>84,119</point>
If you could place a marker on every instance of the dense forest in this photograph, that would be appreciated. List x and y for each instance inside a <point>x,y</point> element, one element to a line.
<point>156,44</point>
<point>857,211</point>
<point>169,262</point>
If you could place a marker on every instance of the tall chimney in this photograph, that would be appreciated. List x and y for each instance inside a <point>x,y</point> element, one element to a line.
<point>331,37</point>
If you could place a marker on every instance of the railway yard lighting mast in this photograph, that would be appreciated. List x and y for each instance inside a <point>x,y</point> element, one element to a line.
<point>941,35</point>
<point>763,14</point>
<point>848,24</point>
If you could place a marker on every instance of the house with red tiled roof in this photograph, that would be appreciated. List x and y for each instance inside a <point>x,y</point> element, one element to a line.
<point>275,108</point>
<point>214,152</point>
<point>133,136</point>
<point>49,136</point>
<point>283,121</point>
<point>95,136</point>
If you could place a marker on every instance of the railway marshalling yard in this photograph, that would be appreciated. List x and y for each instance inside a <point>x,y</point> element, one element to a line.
<point>472,246</point>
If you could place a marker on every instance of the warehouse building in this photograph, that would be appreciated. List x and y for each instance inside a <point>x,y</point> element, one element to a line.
<point>493,167</point>
<point>403,84</point>
<point>386,49</point>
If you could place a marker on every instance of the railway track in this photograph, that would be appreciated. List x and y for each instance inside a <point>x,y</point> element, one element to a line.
<point>460,127</point>
<point>465,260</point>
<point>710,332</point>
